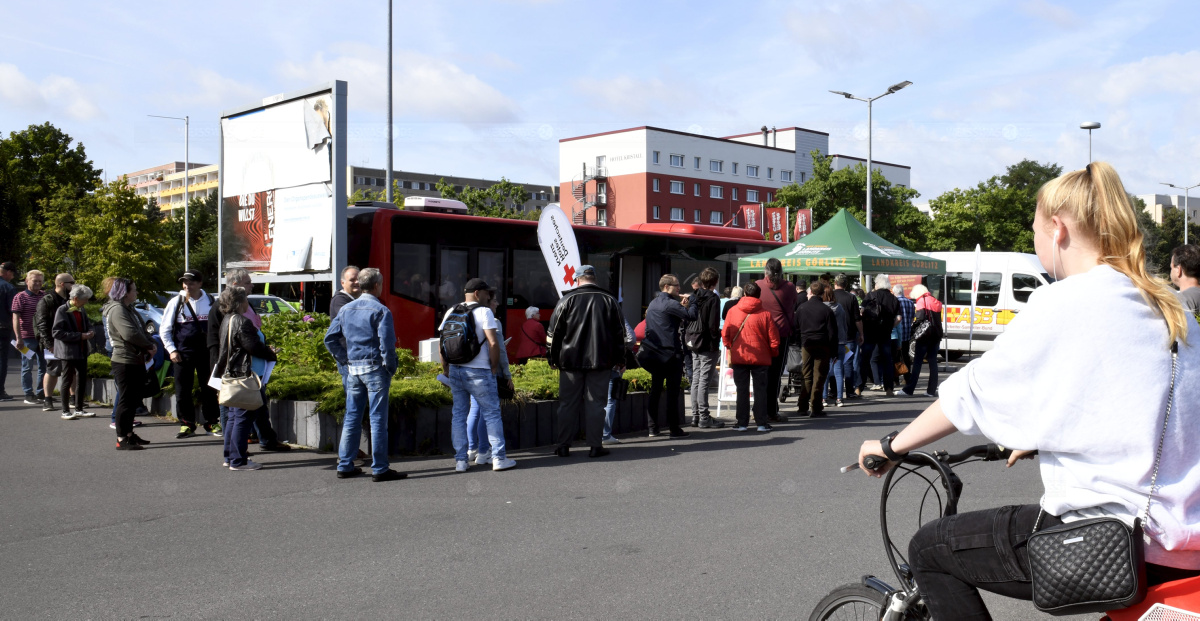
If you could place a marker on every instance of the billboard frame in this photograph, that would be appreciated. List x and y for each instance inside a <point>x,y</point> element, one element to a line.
<point>338,255</point>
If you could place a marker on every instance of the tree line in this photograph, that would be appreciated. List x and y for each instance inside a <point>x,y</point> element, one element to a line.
<point>996,213</point>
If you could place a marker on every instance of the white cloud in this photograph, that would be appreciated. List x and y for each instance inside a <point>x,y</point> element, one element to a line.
<point>209,88</point>
<point>55,92</point>
<point>836,35</point>
<point>424,87</point>
<point>632,96</point>
<point>1053,13</point>
<point>1172,73</point>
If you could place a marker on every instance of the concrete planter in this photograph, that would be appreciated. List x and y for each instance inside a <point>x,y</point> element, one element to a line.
<point>105,391</point>
<point>428,430</point>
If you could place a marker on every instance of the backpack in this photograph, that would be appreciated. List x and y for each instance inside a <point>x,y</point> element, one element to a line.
<point>459,341</point>
<point>872,320</point>
<point>696,335</point>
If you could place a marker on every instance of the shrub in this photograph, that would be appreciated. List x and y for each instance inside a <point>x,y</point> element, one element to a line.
<point>99,366</point>
<point>300,339</point>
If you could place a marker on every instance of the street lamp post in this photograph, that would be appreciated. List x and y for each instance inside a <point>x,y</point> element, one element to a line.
<point>891,89</point>
<point>186,170</point>
<point>388,177</point>
<point>1186,201</point>
<point>1090,125</point>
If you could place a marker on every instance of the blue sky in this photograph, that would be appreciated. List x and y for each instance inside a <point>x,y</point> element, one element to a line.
<point>485,89</point>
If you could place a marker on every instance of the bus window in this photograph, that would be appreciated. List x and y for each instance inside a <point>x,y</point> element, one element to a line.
<point>1023,286</point>
<point>531,285</point>
<point>603,265</point>
<point>452,277</point>
<point>959,286</point>
<point>410,271</point>
<point>491,270</point>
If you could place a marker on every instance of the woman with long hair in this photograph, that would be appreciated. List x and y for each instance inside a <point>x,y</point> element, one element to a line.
<point>778,298</point>
<point>131,349</point>
<point>1093,408</point>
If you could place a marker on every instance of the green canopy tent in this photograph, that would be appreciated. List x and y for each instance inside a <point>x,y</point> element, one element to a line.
<point>843,244</point>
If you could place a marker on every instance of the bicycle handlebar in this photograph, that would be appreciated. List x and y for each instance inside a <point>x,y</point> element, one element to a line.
<point>989,452</point>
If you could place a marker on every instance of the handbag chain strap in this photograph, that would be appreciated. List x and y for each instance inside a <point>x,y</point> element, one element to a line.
<point>1162,437</point>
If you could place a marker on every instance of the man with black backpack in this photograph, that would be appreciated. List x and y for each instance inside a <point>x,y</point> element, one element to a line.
<point>470,348</point>
<point>880,313</point>
<point>184,333</point>
<point>703,338</point>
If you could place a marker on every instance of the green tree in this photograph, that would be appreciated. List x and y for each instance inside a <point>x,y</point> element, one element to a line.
<point>201,233</point>
<point>500,200</point>
<point>50,244</point>
<point>380,196</point>
<point>117,238</point>
<point>997,213</point>
<point>893,215</point>
<point>37,164</point>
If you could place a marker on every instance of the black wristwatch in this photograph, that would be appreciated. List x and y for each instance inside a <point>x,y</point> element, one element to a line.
<point>886,445</point>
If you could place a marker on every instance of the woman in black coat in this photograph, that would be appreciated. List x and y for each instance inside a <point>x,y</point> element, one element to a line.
<point>240,344</point>
<point>71,331</point>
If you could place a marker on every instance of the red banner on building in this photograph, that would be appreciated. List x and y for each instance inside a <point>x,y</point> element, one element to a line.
<point>776,223</point>
<point>804,224</point>
<point>750,217</point>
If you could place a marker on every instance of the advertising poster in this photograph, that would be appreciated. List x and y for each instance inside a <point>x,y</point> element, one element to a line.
<point>249,227</point>
<point>804,224</point>
<point>556,238</point>
<point>776,223</point>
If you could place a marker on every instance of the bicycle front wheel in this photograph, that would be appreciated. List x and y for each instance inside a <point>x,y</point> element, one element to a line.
<point>851,602</point>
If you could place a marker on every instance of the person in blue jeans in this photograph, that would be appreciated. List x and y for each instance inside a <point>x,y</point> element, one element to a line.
<point>479,448</point>
<point>610,409</point>
<point>362,338</point>
<point>476,377</point>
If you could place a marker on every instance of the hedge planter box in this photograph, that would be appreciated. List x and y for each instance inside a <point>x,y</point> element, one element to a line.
<point>428,430</point>
<point>105,391</point>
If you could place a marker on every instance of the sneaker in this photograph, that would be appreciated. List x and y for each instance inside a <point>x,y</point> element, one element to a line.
<point>741,428</point>
<point>904,393</point>
<point>85,414</point>
<point>931,394</point>
<point>471,455</point>
<point>890,393</point>
<point>5,396</point>
<point>877,387</point>
<point>138,439</point>
<point>610,440</point>
<point>224,464</point>
<point>112,426</point>
<point>277,447</point>
<point>839,403</point>
<point>128,444</point>
<point>388,475</point>
<point>215,429</point>
<point>503,463</point>
<point>712,424</point>
<point>482,459</point>
<point>185,432</point>
<point>653,432</point>
<point>461,465</point>
<point>69,415</point>
<point>48,404</point>
<point>136,423</point>
<point>250,465</point>
<point>824,403</point>
<point>32,400</point>
<point>764,428</point>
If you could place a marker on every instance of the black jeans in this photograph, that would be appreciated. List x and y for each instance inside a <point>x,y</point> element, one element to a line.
<point>774,376</point>
<point>952,558</point>
<point>928,353</point>
<point>75,381</point>
<point>582,395</point>
<point>670,373</point>
<point>131,382</point>
<point>195,363</point>
<point>742,375</point>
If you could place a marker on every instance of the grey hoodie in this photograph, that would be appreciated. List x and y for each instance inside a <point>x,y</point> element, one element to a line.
<point>127,333</point>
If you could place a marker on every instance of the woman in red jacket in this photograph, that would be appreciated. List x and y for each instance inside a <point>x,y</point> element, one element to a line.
<point>751,340</point>
<point>531,337</point>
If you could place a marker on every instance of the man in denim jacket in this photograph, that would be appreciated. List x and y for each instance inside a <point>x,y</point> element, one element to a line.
<point>363,339</point>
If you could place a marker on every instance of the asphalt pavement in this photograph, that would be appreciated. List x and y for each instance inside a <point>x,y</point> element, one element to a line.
<point>720,525</point>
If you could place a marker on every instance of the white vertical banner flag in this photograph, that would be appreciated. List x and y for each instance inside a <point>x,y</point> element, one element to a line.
<point>974,293</point>
<point>557,240</point>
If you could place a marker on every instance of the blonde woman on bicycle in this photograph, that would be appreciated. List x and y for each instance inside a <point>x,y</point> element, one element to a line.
<point>1081,376</point>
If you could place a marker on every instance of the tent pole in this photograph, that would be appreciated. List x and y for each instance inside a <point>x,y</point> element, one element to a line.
<point>945,341</point>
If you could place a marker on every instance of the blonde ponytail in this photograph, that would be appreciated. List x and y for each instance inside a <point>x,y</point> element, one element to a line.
<point>1095,198</point>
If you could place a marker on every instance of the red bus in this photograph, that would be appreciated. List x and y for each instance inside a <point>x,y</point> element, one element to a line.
<point>426,258</point>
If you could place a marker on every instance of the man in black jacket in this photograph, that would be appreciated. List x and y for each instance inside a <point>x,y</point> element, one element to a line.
<point>348,293</point>
<point>880,313</point>
<point>587,341</point>
<point>703,338</point>
<point>43,324</point>
<point>854,331</point>
<point>818,341</point>
<point>661,352</point>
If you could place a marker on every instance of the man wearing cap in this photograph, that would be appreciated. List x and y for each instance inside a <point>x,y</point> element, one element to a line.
<point>184,333</point>
<point>8,271</point>
<point>43,322</point>
<point>587,341</point>
<point>477,378</point>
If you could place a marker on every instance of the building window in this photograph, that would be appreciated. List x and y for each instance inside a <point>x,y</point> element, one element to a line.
<point>697,160</point>
<point>734,222</point>
<point>715,166</point>
<point>768,197</point>
<point>752,196</point>
<point>602,217</point>
<point>655,157</point>
<point>677,214</point>
<point>715,218</point>
<point>734,168</point>
<point>802,177</point>
<point>752,171</point>
<point>677,160</point>
<point>770,173</point>
<point>657,216</point>
<point>716,191</point>
<point>696,189</point>
<point>733,194</point>
<point>655,184</point>
<point>676,187</point>
<point>696,216</point>
<point>785,175</point>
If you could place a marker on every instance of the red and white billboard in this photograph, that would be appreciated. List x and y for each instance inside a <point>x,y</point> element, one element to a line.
<point>776,223</point>
<point>751,217</point>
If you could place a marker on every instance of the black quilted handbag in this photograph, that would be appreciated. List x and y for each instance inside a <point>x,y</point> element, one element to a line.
<point>1098,564</point>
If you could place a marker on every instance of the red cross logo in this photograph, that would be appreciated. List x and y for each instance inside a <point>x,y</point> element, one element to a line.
<point>569,276</point>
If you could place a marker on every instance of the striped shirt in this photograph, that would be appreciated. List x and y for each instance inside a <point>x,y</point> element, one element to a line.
<point>907,313</point>
<point>25,305</point>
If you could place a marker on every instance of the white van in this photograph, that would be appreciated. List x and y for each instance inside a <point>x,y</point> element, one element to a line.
<point>1006,279</point>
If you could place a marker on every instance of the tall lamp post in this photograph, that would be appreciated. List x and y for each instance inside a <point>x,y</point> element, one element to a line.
<point>388,177</point>
<point>891,89</point>
<point>186,170</point>
<point>1186,201</point>
<point>1090,125</point>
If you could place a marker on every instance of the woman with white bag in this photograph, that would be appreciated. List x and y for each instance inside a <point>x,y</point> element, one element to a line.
<point>241,387</point>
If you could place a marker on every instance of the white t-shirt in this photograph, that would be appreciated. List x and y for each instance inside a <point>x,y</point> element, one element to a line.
<point>1082,375</point>
<point>484,320</point>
